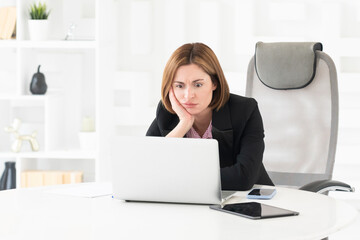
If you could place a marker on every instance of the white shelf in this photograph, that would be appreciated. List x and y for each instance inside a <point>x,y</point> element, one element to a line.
<point>8,43</point>
<point>74,154</point>
<point>51,44</point>
<point>28,100</point>
<point>24,97</point>
<point>58,44</point>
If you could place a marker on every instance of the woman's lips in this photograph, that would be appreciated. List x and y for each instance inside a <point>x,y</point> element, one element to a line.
<point>189,105</point>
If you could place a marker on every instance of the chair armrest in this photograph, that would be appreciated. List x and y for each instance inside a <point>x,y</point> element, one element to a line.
<point>323,186</point>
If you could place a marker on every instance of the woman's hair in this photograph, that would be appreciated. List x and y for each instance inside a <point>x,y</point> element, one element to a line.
<point>205,58</point>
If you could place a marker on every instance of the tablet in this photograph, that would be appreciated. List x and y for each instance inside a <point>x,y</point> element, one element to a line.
<point>254,210</point>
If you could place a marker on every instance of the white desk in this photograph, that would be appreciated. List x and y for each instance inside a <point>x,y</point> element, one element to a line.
<point>43,213</point>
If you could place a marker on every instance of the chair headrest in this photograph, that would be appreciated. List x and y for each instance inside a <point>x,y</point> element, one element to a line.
<point>286,65</point>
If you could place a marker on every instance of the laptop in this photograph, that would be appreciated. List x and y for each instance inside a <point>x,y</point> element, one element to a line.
<point>159,169</point>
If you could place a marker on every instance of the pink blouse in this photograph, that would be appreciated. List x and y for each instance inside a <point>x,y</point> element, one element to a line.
<point>193,134</point>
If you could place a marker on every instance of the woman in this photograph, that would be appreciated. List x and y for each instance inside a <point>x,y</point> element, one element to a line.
<point>196,103</point>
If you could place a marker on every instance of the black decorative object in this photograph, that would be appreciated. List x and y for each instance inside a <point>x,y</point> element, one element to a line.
<point>38,84</point>
<point>8,178</point>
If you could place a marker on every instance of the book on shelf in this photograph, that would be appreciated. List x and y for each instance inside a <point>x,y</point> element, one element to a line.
<point>7,22</point>
<point>36,178</point>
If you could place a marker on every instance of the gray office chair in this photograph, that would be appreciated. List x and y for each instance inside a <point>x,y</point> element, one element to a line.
<point>295,85</point>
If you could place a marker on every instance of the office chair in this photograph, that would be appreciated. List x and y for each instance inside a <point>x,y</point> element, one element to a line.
<point>295,85</point>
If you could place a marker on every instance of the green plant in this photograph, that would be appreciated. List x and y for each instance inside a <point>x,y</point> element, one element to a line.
<point>38,11</point>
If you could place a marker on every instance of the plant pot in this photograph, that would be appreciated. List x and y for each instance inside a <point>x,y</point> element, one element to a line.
<point>38,29</point>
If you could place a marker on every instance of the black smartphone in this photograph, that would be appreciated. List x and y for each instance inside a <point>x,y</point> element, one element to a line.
<point>261,193</point>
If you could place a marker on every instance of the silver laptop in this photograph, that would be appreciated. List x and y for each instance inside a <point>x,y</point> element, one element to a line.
<point>159,169</point>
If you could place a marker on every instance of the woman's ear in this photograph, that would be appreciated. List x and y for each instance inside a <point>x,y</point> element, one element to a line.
<point>214,86</point>
<point>214,81</point>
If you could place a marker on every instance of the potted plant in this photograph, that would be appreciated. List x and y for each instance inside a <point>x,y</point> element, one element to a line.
<point>38,22</point>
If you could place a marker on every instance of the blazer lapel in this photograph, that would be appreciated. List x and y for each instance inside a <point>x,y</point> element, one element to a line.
<point>222,131</point>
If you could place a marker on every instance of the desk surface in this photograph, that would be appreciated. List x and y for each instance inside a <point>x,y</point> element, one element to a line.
<point>52,213</point>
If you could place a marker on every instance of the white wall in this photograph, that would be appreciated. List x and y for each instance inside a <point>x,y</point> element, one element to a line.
<point>145,32</point>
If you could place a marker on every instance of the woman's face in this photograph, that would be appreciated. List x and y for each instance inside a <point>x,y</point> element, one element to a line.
<point>193,88</point>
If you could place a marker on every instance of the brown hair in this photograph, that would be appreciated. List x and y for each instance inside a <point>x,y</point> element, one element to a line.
<point>204,57</point>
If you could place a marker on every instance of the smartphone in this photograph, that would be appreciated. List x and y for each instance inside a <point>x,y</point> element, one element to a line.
<point>261,193</point>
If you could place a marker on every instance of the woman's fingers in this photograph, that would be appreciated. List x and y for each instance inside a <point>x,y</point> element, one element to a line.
<point>186,119</point>
<point>174,102</point>
<point>172,97</point>
<point>182,113</point>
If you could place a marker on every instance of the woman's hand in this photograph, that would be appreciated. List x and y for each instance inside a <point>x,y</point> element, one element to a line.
<point>186,119</point>
<point>179,109</point>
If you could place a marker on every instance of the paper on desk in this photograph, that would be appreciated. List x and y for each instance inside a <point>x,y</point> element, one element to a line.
<point>86,190</point>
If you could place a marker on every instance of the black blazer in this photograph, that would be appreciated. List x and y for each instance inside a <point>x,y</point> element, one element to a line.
<point>238,128</point>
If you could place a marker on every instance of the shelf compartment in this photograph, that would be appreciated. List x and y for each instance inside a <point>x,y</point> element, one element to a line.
<point>54,162</point>
<point>63,14</point>
<point>8,69</point>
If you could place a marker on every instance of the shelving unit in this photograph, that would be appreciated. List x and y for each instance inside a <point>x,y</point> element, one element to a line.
<point>70,70</point>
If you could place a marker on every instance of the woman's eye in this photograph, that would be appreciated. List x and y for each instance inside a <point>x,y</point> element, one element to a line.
<point>198,84</point>
<point>178,86</point>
